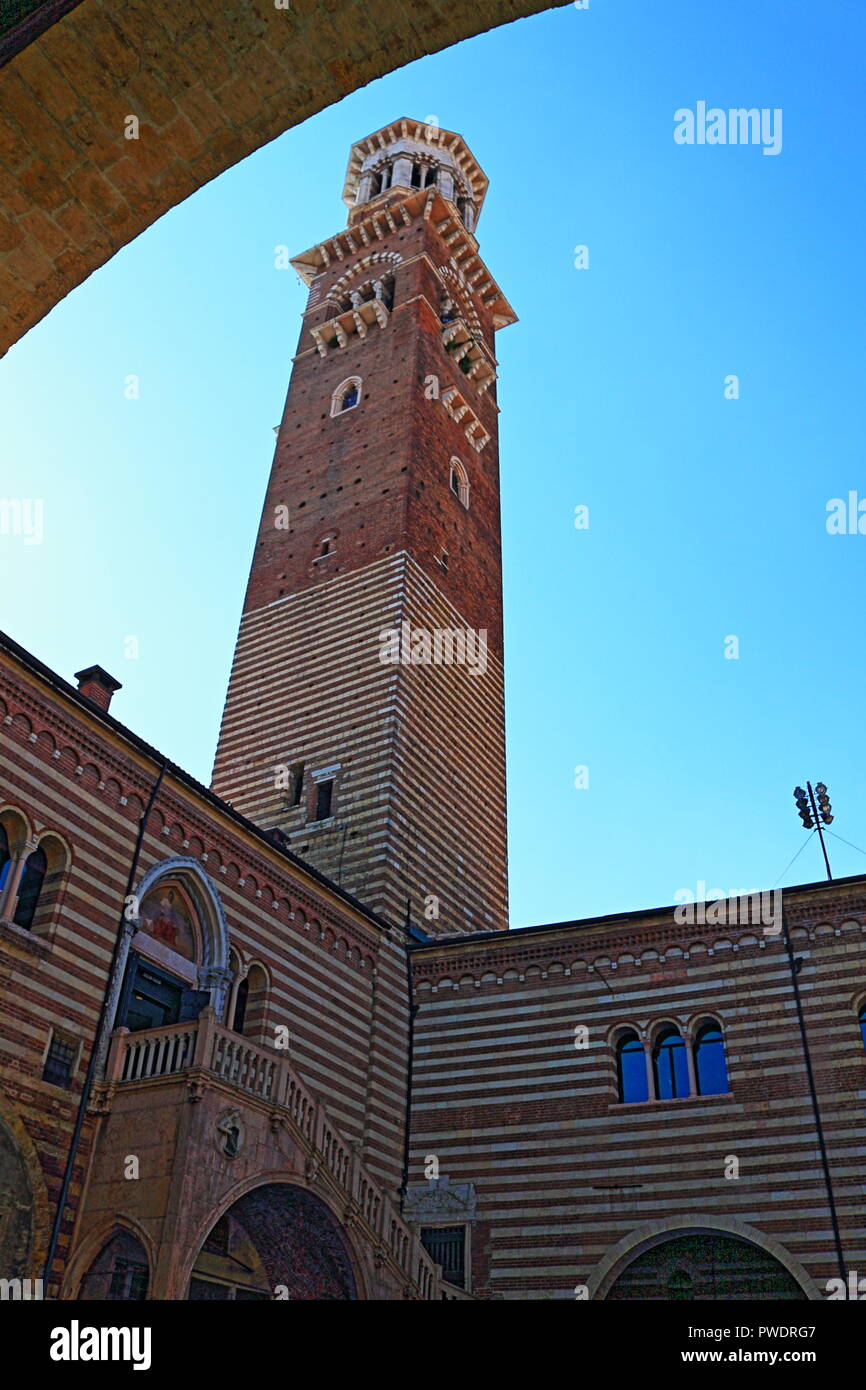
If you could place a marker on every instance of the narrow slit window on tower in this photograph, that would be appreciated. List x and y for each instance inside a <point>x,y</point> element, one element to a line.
<point>241,1000</point>
<point>324,795</point>
<point>296,784</point>
<point>458,481</point>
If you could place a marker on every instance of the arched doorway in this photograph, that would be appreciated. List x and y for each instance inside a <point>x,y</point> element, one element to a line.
<point>704,1265</point>
<point>277,1241</point>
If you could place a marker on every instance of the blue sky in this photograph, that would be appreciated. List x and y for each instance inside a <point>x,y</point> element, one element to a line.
<point>707,515</point>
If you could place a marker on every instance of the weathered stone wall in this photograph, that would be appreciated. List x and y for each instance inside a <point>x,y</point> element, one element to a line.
<point>208,82</point>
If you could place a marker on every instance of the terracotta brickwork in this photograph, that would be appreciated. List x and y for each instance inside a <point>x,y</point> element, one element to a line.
<point>335,975</point>
<point>365,529</point>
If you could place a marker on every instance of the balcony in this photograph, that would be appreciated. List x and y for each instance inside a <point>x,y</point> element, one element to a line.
<point>204,1048</point>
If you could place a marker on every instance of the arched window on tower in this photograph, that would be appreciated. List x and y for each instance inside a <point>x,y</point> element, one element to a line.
<point>631,1069</point>
<point>670,1066</point>
<point>417,174</point>
<point>711,1071</point>
<point>31,886</point>
<point>458,481</point>
<point>346,396</point>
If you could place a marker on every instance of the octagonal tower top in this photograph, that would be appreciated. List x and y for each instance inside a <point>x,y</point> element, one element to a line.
<point>415,154</point>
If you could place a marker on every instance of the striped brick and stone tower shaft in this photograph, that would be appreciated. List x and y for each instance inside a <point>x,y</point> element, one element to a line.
<point>365,712</point>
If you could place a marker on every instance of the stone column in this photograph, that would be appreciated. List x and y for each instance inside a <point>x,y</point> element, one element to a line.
<point>650,1079</point>
<point>446,183</point>
<point>13,882</point>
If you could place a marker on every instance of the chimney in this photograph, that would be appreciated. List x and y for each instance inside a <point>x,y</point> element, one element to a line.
<point>96,685</point>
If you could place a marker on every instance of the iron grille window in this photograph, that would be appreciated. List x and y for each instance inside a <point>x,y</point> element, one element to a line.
<point>447,1246</point>
<point>59,1062</point>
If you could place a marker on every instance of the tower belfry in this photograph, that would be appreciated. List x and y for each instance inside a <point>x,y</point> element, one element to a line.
<point>365,711</point>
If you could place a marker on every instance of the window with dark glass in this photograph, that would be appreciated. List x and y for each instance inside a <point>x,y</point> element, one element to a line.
<point>31,886</point>
<point>447,1246</point>
<point>863,1024</point>
<point>670,1066</point>
<point>711,1071</point>
<point>350,397</point>
<point>5,857</point>
<point>150,998</point>
<point>324,793</point>
<point>631,1069</point>
<point>680,1284</point>
<point>297,783</point>
<point>60,1059</point>
<point>241,999</point>
<point>128,1282</point>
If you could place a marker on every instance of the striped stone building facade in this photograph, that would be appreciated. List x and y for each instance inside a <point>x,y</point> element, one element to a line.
<point>272,1039</point>
<point>579,1191</point>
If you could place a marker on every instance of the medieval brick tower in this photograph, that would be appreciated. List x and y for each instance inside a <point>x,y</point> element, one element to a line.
<point>365,713</point>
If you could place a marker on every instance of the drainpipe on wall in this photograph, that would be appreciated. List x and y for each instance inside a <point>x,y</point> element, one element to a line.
<point>94,1051</point>
<point>410,1046</point>
<point>819,1128</point>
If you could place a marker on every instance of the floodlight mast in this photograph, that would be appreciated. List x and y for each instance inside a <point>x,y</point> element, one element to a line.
<point>815,812</point>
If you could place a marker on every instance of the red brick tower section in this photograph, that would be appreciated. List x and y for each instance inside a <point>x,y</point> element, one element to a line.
<point>365,712</point>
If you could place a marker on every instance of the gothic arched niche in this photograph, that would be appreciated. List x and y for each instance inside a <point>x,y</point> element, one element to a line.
<point>704,1265</point>
<point>120,1272</point>
<point>277,1241</point>
<point>16,1211</point>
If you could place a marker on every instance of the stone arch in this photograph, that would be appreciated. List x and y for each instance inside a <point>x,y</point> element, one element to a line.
<point>25,1221</point>
<point>458,474</point>
<point>237,49</point>
<point>297,1235</point>
<point>59,860</point>
<point>644,1238</point>
<point>17,827</point>
<point>389,260</point>
<point>215,932</point>
<point>457,288</point>
<point>210,972</point>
